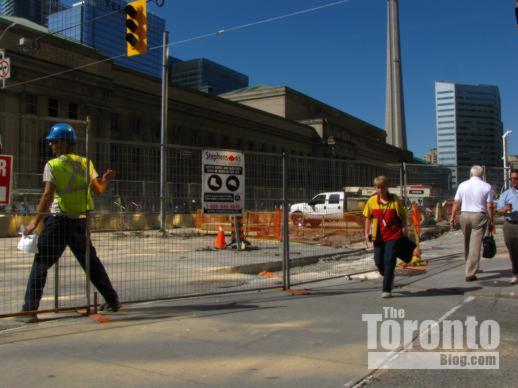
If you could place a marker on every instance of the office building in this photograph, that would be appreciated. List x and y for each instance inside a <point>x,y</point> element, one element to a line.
<point>36,11</point>
<point>469,127</point>
<point>85,23</point>
<point>207,76</point>
<point>431,156</point>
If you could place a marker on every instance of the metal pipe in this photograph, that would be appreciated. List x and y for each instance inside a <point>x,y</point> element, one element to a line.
<point>7,28</point>
<point>504,150</point>
<point>163,130</point>
<point>285,226</point>
<point>56,285</point>
<point>87,228</point>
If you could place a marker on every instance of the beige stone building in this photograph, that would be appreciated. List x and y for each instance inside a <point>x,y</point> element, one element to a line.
<point>56,79</point>
<point>431,156</point>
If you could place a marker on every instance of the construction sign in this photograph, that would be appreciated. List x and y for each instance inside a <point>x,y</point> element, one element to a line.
<point>223,187</point>
<point>6,169</point>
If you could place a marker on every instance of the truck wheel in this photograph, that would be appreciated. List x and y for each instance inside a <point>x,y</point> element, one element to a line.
<point>297,218</point>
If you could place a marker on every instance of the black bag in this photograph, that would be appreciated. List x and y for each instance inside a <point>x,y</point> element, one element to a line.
<point>405,249</point>
<point>489,247</point>
<point>512,217</point>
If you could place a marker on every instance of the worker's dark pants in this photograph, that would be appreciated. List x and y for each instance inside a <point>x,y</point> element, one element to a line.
<point>385,259</point>
<point>60,231</point>
<point>511,242</point>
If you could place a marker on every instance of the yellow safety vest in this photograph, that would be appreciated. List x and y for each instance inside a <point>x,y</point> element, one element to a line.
<point>73,195</point>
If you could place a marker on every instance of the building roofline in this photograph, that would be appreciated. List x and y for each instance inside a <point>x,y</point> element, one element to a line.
<point>42,32</point>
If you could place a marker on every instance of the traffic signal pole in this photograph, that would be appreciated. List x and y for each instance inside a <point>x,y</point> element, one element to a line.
<point>163,131</point>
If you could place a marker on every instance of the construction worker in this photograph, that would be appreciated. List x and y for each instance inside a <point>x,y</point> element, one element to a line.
<point>67,198</point>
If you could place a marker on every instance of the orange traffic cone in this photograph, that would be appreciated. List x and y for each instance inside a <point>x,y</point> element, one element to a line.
<point>220,242</point>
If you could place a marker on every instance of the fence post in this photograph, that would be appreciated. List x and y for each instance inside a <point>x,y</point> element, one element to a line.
<point>56,285</point>
<point>285,225</point>
<point>163,130</point>
<point>87,229</point>
<point>402,181</point>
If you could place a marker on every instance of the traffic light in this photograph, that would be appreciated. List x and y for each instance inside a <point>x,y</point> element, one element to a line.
<point>136,28</point>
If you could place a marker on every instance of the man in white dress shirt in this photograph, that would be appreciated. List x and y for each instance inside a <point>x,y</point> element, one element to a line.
<point>474,197</point>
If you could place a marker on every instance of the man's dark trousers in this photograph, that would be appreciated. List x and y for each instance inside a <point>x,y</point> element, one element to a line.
<point>60,231</point>
<point>386,260</point>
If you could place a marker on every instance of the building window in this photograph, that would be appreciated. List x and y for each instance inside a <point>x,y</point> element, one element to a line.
<point>72,111</point>
<point>31,104</point>
<point>138,124</point>
<point>115,121</point>
<point>53,108</point>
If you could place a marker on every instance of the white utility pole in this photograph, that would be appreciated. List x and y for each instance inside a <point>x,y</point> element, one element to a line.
<point>504,145</point>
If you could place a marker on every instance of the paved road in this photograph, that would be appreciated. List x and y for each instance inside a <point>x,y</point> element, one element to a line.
<point>257,339</point>
<point>145,266</point>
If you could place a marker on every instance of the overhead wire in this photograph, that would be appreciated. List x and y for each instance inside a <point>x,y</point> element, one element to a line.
<point>203,36</point>
<point>81,24</point>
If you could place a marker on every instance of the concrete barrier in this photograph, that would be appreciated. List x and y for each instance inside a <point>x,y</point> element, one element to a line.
<point>105,222</point>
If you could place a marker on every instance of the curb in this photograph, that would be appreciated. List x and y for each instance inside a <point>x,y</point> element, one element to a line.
<point>276,266</point>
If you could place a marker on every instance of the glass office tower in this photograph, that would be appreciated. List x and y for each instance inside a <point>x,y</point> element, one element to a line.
<point>34,10</point>
<point>469,127</point>
<point>207,76</point>
<point>107,34</point>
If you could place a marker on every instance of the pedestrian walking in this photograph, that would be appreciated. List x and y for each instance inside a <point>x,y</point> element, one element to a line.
<point>64,203</point>
<point>474,198</point>
<point>508,204</point>
<point>385,224</point>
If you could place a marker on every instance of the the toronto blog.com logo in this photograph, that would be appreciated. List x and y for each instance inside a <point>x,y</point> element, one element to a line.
<point>395,342</point>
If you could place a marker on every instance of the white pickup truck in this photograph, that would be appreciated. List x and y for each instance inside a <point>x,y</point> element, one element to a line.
<point>323,206</point>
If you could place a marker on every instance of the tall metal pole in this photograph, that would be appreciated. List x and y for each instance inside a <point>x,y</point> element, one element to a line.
<point>395,109</point>
<point>87,229</point>
<point>504,146</point>
<point>285,225</point>
<point>163,131</point>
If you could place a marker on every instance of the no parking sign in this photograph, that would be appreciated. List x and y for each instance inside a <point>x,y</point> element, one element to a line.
<point>6,168</point>
<point>223,187</point>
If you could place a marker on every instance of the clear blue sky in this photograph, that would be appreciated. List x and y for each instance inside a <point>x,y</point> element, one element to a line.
<point>338,55</point>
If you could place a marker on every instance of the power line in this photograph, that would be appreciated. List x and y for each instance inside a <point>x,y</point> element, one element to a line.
<point>81,24</point>
<point>76,25</point>
<point>215,33</point>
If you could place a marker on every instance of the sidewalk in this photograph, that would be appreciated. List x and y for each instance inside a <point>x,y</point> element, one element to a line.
<point>258,339</point>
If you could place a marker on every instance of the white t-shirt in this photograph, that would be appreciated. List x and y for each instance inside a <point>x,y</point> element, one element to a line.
<point>474,195</point>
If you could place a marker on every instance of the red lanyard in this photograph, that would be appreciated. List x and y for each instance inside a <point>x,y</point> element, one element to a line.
<point>384,211</point>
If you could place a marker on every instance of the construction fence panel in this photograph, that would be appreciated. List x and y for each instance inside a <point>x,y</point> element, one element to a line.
<point>326,231</point>
<point>65,283</point>
<point>148,262</point>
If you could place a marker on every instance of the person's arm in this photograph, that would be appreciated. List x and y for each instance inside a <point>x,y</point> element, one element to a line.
<point>367,230</point>
<point>502,206</point>
<point>491,216</point>
<point>99,186</point>
<point>454,208</point>
<point>43,207</point>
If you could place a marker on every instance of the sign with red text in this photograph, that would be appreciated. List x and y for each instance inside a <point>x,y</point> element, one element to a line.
<point>6,169</point>
<point>223,182</point>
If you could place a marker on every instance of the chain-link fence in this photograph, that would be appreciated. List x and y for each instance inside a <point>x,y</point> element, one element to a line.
<point>321,199</point>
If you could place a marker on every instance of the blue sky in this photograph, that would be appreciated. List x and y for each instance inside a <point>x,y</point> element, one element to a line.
<point>338,54</point>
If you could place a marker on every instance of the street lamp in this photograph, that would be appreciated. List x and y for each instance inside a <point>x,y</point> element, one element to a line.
<point>504,144</point>
<point>7,28</point>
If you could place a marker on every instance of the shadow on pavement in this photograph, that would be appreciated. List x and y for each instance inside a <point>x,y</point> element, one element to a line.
<point>439,291</point>
<point>140,313</point>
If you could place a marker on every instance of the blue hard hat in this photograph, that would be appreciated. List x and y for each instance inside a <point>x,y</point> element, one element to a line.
<point>62,131</point>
